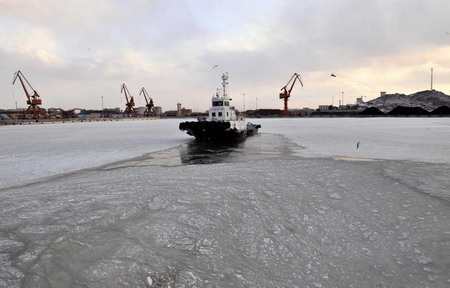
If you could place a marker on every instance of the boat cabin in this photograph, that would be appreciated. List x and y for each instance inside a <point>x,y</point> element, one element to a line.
<point>221,109</point>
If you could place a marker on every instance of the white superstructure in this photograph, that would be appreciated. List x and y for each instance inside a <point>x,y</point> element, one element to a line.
<point>221,110</point>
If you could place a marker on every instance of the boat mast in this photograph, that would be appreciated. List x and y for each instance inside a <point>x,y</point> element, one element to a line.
<point>224,84</point>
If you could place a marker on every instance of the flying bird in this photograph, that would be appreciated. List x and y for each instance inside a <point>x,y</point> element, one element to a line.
<point>332,75</point>
<point>215,66</point>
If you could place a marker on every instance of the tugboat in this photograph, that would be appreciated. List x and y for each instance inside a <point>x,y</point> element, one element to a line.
<point>222,124</point>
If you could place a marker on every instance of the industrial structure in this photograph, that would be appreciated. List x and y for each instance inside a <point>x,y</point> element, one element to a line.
<point>61,113</point>
<point>150,111</point>
<point>285,94</point>
<point>129,110</point>
<point>33,100</point>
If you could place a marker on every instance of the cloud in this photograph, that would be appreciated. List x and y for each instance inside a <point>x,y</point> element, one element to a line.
<point>44,50</point>
<point>80,50</point>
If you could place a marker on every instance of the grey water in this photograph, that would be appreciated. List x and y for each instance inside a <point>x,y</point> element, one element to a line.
<point>251,214</point>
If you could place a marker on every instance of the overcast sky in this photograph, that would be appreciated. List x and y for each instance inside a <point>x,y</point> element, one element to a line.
<point>74,52</point>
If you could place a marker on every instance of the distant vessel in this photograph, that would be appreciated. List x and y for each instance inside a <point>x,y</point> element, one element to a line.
<point>222,123</point>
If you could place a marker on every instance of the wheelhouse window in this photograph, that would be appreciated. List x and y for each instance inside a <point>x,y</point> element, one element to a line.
<point>227,103</point>
<point>217,103</point>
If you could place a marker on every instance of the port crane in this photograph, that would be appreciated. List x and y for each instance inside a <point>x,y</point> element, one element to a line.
<point>129,110</point>
<point>150,110</point>
<point>33,100</point>
<point>285,94</point>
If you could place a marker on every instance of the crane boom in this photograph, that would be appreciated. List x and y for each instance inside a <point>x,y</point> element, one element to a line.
<point>144,92</point>
<point>124,90</point>
<point>17,75</point>
<point>295,77</point>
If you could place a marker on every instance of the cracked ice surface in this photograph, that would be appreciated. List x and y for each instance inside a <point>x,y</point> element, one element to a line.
<point>285,221</point>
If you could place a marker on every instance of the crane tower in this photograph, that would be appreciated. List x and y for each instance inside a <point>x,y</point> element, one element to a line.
<point>150,106</point>
<point>129,110</point>
<point>285,94</point>
<point>33,100</point>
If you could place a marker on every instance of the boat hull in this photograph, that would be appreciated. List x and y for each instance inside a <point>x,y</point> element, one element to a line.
<point>217,130</point>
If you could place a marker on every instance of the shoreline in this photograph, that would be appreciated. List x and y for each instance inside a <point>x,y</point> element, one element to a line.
<point>73,120</point>
<point>79,120</point>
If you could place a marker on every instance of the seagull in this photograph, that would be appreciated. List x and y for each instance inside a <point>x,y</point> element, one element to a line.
<point>215,66</point>
<point>332,75</point>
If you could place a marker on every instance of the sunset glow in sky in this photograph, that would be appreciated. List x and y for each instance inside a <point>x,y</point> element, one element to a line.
<point>75,52</point>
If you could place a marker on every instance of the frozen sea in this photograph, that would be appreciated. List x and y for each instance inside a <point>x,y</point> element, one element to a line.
<point>139,204</point>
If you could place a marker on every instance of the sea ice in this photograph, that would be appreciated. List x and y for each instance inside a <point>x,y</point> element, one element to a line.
<point>92,204</point>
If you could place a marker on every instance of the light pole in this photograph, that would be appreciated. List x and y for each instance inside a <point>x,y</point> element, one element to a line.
<point>256,103</point>
<point>102,106</point>
<point>244,102</point>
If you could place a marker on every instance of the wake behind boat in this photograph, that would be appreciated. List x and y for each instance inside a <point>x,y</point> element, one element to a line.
<point>222,124</point>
